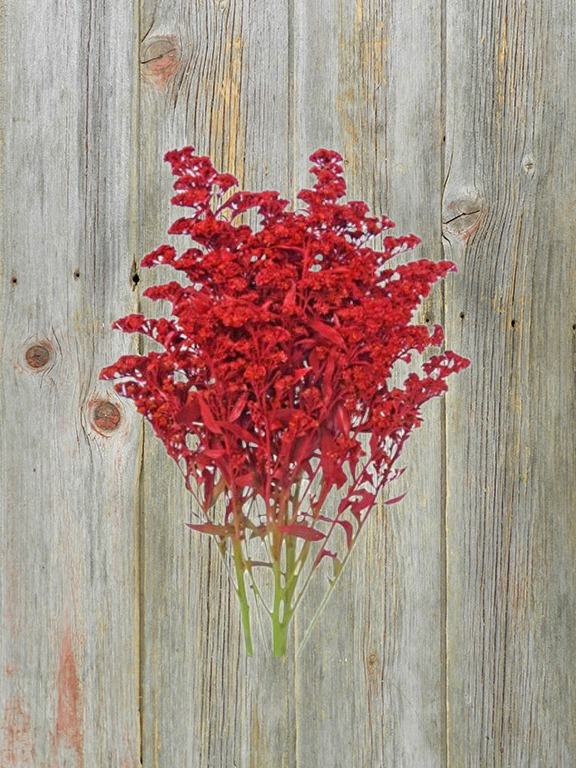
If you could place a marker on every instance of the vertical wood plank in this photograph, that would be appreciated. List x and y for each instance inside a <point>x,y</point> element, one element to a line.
<point>370,680</point>
<point>222,86</point>
<point>68,448</point>
<point>511,428</point>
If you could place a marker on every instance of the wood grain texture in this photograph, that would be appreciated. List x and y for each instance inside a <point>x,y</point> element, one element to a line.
<point>449,640</point>
<point>337,64</point>
<point>370,681</point>
<point>511,428</point>
<point>68,646</point>
<point>204,703</point>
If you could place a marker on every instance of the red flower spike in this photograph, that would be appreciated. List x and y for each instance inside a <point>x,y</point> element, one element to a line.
<point>274,366</point>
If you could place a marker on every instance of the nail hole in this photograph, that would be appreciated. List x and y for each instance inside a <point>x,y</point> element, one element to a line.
<point>462,315</point>
<point>76,274</point>
<point>513,323</point>
<point>574,327</point>
<point>14,280</point>
<point>427,320</point>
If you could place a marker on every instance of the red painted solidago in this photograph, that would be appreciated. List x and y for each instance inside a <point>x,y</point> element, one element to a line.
<point>272,388</point>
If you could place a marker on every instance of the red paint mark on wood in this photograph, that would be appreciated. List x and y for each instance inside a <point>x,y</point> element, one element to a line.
<point>13,597</point>
<point>130,754</point>
<point>68,718</point>
<point>10,670</point>
<point>17,745</point>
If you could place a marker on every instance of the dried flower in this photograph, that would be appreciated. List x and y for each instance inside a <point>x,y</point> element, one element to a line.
<point>276,363</point>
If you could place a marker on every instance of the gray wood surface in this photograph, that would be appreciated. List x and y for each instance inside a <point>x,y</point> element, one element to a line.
<point>449,640</point>
<point>370,680</point>
<point>204,702</point>
<point>68,223</point>
<point>511,426</point>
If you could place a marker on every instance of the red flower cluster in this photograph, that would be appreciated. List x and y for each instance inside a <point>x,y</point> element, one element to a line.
<point>278,355</point>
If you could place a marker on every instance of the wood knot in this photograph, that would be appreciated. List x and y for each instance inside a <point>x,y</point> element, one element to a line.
<point>38,355</point>
<point>529,165</point>
<point>105,416</point>
<point>462,215</point>
<point>160,59</point>
<point>372,663</point>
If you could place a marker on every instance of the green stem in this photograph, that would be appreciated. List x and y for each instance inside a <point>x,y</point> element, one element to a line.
<point>242,596</point>
<point>280,624</point>
<point>283,609</point>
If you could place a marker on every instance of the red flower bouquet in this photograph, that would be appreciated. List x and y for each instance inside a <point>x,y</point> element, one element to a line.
<point>272,389</point>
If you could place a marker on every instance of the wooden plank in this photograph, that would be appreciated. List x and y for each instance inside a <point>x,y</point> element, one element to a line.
<point>511,428</point>
<point>370,680</point>
<point>68,647</point>
<point>222,86</point>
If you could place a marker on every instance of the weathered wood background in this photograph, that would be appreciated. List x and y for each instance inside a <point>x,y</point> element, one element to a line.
<point>450,639</point>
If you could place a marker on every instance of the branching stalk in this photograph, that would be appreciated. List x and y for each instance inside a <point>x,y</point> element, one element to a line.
<point>241,592</point>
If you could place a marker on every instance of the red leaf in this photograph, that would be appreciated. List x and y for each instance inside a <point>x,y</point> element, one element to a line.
<point>343,420</point>
<point>304,447</point>
<point>211,528</point>
<point>327,388</point>
<point>289,300</point>
<point>349,531</point>
<point>208,416</point>
<point>344,504</point>
<point>327,332</point>
<point>396,500</point>
<point>346,524</point>
<point>244,481</point>
<point>236,411</point>
<point>214,453</point>
<point>189,414</point>
<point>301,531</point>
<point>322,554</point>
<point>357,505</point>
<point>239,432</point>
<point>395,474</point>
